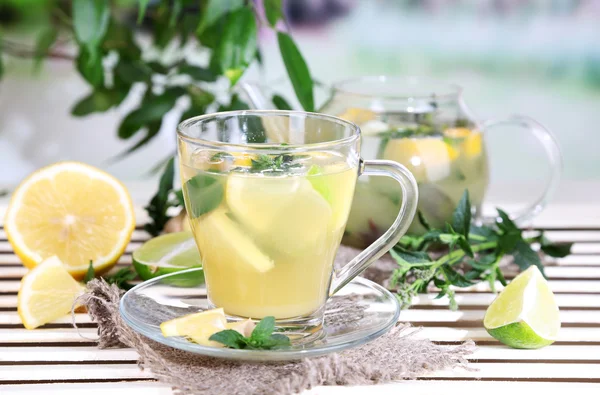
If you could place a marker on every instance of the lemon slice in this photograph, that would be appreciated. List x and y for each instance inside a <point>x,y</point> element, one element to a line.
<point>428,159</point>
<point>198,327</point>
<point>244,328</point>
<point>73,211</point>
<point>222,240</point>
<point>525,314</point>
<point>285,213</point>
<point>47,292</point>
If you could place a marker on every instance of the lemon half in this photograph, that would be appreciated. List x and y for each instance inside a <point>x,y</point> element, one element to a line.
<point>73,211</point>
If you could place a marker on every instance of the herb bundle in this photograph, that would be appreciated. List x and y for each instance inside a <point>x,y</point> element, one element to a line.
<point>463,254</point>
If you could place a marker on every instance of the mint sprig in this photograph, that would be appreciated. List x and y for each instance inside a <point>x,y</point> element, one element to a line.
<point>261,338</point>
<point>463,254</point>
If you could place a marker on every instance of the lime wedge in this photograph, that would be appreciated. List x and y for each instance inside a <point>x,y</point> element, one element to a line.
<point>169,253</point>
<point>525,314</point>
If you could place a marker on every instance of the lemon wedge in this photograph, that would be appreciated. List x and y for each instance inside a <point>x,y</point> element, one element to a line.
<point>198,326</point>
<point>47,292</point>
<point>74,211</point>
<point>222,240</point>
<point>285,213</point>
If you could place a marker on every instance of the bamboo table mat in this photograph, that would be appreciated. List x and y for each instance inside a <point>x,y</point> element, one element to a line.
<point>56,360</point>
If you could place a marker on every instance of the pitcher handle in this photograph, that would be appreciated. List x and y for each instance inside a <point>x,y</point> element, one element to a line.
<point>410,197</point>
<point>552,151</point>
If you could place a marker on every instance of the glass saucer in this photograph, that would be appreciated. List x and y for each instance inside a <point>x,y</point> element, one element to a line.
<point>359,313</point>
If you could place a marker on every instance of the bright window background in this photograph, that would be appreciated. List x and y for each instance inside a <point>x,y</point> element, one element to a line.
<point>538,58</point>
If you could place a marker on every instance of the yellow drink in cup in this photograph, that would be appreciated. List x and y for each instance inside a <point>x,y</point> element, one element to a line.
<point>268,194</point>
<point>269,242</point>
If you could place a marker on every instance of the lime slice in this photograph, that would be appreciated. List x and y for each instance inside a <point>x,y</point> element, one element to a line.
<point>169,253</point>
<point>525,314</point>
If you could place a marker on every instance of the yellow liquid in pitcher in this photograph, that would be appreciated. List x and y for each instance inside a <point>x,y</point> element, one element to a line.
<point>268,237</point>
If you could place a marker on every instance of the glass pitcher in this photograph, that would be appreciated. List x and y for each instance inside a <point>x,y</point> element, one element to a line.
<point>426,126</point>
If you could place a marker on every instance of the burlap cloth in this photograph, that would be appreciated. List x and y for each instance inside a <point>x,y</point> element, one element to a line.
<point>397,355</point>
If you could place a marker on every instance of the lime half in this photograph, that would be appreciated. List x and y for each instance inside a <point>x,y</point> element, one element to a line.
<point>525,314</point>
<point>169,253</point>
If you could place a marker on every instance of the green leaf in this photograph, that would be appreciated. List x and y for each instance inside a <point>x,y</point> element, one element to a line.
<point>483,231</point>
<point>98,101</point>
<point>216,9</point>
<point>121,278</point>
<point>505,223</point>
<point>229,338</point>
<point>524,256</point>
<point>152,109</point>
<point>197,73</point>
<point>132,71</point>
<point>160,203</point>
<point>158,67</point>
<point>263,329</point>
<point>273,11</point>
<point>297,71</point>
<point>465,246</point>
<point>238,43</point>
<point>142,6</point>
<point>280,103</point>
<point>44,42</point>
<point>423,220</point>
<point>120,38</point>
<point>461,218</point>
<point>90,274</point>
<point>557,250</point>
<point>508,241</point>
<point>205,193</point>
<point>200,98</point>
<point>276,340</point>
<point>500,276</point>
<point>455,278</point>
<point>90,21</point>
<point>89,65</point>
<point>152,129</point>
<point>404,257</point>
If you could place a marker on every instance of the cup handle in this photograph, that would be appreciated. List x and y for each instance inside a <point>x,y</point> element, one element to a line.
<point>408,207</point>
<point>552,151</point>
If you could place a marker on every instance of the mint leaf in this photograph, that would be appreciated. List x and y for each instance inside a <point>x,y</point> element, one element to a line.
<point>422,220</point>
<point>404,256</point>
<point>455,278</point>
<point>461,218</point>
<point>524,256</point>
<point>229,338</point>
<point>557,250</point>
<point>121,278</point>
<point>160,203</point>
<point>204,193</point>
<point>263,329</point>
<point>505,223</point>
<point>262,337</point>
<point>465,246</point>
<point>90,274</point>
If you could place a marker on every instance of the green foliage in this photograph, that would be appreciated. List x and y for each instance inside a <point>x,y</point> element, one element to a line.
<point>104,29</point>
<point>262,337</point>
<point>162,201</point>
<point>297,71</point>
<point>463,254</point>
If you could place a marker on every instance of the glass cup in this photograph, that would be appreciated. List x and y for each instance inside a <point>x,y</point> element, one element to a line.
<point>268,195</point>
